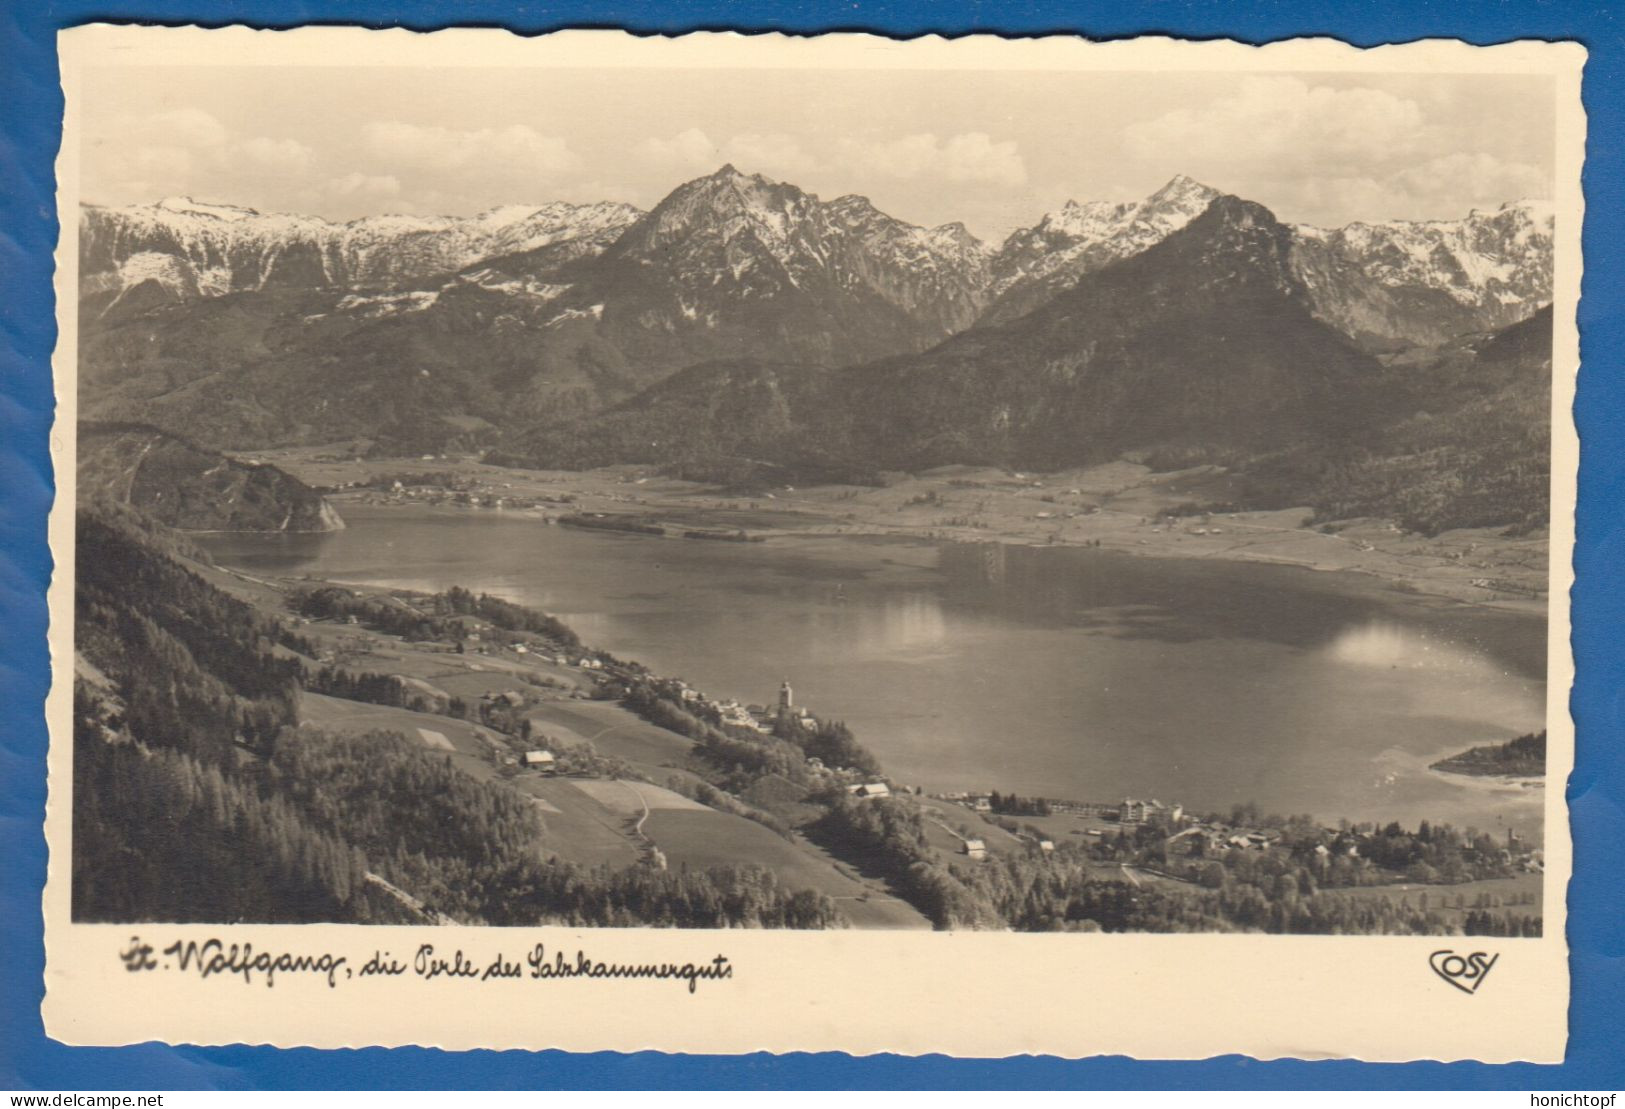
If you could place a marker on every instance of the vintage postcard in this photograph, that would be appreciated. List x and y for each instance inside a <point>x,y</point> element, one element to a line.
<point>732,543</point>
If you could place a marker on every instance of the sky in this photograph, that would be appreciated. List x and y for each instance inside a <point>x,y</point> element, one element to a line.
<point>992,150</point>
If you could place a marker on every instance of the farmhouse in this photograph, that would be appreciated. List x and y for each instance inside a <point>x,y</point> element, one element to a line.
<point>866,790</point>
<point>540,760</point>
<point>975,849</point>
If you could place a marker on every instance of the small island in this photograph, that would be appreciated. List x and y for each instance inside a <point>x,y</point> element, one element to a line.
<point>1524,757</point>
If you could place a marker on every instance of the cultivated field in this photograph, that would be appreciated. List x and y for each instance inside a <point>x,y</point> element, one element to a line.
<point>618,733</point>
<point>579,829</point>
<point>634,799</point>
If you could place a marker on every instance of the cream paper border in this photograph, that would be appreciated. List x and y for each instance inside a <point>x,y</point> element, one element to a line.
<point>969,994</point>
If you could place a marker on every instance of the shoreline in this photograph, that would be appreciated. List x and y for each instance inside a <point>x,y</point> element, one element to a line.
<point>283,584</point>
<point>1118,506</point>
<point>379,513</point>
<point>1071,817</point>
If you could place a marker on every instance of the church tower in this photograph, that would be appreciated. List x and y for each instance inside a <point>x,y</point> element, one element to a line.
<point>785,699</point>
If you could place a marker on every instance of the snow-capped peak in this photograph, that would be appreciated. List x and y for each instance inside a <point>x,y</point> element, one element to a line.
<point>731,238</point>
<point>228,212</point>
<point>1169,208</point>
<point>233,247</point>
<point>958,236</point>
<point>399,223</point>
<point>506,215</point>
<point>1494,264</point>
<point>1038,261</point>
<point>1184,190</point>
<point>1540,211</point>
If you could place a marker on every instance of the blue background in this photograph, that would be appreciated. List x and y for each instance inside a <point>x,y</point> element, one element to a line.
<point>30,118</point>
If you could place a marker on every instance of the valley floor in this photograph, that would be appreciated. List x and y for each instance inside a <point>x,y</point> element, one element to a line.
<point>1119,506</point>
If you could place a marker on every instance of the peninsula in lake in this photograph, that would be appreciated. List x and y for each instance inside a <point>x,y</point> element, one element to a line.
<point>1524,757</point>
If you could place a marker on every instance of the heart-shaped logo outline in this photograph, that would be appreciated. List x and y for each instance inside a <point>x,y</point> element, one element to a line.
<point>1473,959</point>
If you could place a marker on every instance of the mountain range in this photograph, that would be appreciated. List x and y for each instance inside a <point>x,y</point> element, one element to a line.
<point>180,249</point>
<point>1205,348</point>
<point>659,274</point>
<point>1206,340</point>
<point>744,318</point>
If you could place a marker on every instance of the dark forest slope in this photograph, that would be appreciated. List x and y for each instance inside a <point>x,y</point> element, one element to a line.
<point>191,488</point>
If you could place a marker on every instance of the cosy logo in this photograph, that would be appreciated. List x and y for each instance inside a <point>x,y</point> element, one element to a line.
<point>1465,972</point>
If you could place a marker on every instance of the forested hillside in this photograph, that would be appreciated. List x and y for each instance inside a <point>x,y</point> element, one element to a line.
<point>191,488</point>
<point>1473,449</point>
<point>197,797</point>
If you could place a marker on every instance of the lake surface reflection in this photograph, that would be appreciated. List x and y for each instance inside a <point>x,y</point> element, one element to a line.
<point>1062,672</point>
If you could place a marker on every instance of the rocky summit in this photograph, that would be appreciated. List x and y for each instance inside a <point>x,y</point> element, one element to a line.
<point>1401,283</point>
<point>1037,262</point>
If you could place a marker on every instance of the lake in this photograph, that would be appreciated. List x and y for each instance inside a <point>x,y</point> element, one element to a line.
<point>1055,671</point>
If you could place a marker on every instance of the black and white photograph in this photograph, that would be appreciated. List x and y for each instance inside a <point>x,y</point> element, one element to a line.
<point>1005,500</point>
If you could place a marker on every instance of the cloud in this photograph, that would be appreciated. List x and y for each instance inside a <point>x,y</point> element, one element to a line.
<point>207,141</point>
<point>285,156</point>
<point>1284,121</point>
<point>188,150</point>
<point>776,155</point>
<point>1479,179</point>
<point>1331,155</point>
<point>192,127</point>
<point>360,185</point>
<point>971,157</point>
<point>691,149</point>
<point>1446,187</point>
<point>515,149</point>
<point>159,163</point>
